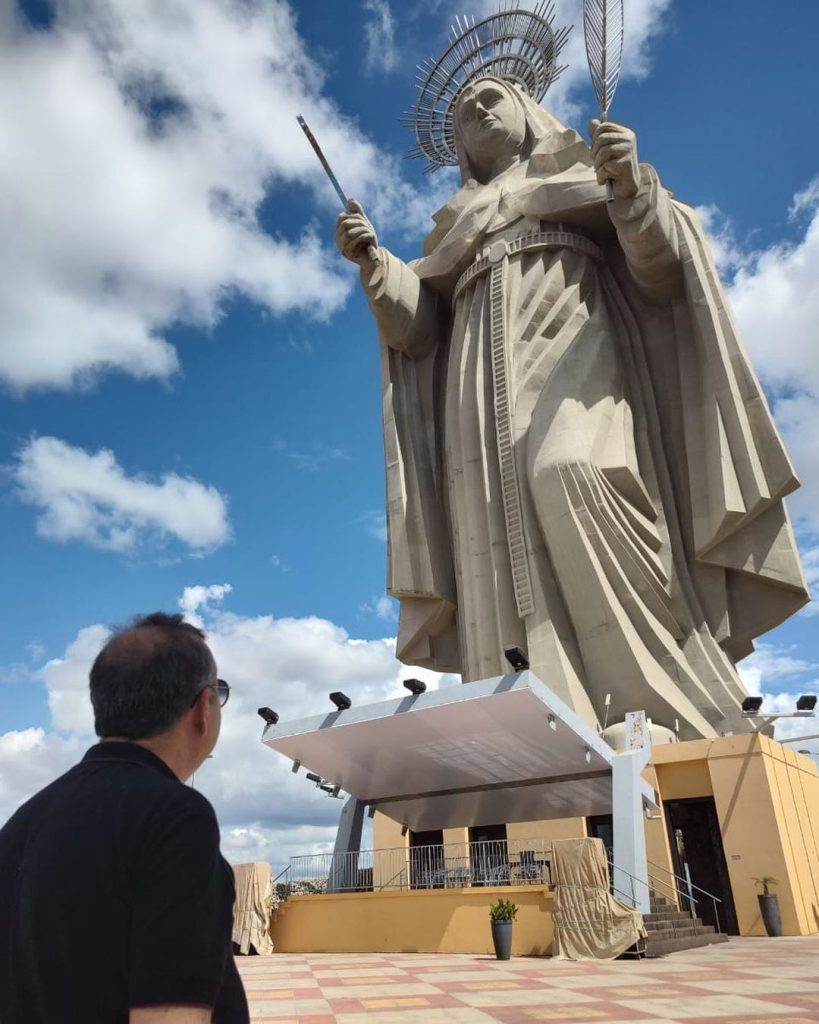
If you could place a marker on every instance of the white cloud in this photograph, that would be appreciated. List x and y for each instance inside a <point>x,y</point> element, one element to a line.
<point>776,303</point>
<point>379,31</point>
<point>139,141</point>
<point>374,522</point>
<point>806,200</point>
<point>66,680</point>
<point>88,497</point>
<point>727,252</point>
<point>313,458</point>
<point>382,607</point>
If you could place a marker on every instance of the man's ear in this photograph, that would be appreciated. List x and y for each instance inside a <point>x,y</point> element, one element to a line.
<point>201,711</point>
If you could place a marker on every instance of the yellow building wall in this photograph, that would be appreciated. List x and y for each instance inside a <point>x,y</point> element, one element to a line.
<point>417,921</point>
<point>658,850</point>
<point>555,828</point>
<point>767,802</point>
<point>387,836</point>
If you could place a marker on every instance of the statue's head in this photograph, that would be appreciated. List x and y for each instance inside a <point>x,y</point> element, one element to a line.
<point>489,122</point>
<point>495,120</point>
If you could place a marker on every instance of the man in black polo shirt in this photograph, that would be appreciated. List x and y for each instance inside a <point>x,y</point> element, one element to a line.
<point>115,903</point>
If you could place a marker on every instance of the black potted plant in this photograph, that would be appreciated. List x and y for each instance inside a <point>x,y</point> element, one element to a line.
<point>502,915</point>
<point>769,906</point>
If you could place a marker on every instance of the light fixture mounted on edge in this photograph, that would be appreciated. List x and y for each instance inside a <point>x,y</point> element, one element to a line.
<point>341,700</point>
<point>415,686</point>
<point>807,702</point>
<point>517,658</point>
<point>751,705</point>
<point>270,717</point>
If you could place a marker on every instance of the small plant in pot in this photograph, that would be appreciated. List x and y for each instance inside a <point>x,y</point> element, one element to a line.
<point>769,906</point>
<point>502,915</point>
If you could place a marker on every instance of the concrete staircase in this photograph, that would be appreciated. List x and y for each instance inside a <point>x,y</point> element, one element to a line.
<point>670,930</point>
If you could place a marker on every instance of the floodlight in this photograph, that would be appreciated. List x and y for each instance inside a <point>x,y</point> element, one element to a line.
<point>404,829</point>
<point>517,658</point>
<point>371,811</point>
<point>312,777</point>
<point>341,700</point>
<point>295,768</point>
<point>751,705</point>
<point>270,717</point>
<point>807,702</point>
<point>415,686</point>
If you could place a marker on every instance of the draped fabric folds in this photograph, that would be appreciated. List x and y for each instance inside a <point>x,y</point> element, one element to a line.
<point>589,922</point>
<point>252,909</point>
<point>646,467</point>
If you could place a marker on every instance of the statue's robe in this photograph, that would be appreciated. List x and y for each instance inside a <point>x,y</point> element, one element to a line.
<point>650,474</point>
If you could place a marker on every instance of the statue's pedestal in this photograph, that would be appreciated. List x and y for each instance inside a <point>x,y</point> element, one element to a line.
<point>501,749</point>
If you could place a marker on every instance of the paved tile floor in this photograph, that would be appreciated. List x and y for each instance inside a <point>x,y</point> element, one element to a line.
<point>775,981</point>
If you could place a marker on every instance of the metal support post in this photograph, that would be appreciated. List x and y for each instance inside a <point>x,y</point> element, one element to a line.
<point>630,863</point>
<point>344,869</point>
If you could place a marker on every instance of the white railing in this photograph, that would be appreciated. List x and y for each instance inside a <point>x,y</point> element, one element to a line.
<point>450,866</point>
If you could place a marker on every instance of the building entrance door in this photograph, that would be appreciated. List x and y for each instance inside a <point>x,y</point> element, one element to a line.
<point>696,846</point>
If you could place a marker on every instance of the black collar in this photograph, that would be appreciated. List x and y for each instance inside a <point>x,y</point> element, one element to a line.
<point>128,753</point>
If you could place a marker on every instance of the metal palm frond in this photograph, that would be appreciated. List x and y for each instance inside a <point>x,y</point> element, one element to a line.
<point>603,29</point>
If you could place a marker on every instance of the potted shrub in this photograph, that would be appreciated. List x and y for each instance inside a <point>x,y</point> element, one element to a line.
<point>769,906</point>
<point>502,915</point>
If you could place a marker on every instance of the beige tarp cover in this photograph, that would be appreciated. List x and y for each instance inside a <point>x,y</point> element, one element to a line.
<point>251,911</point>
<point>589,923</point>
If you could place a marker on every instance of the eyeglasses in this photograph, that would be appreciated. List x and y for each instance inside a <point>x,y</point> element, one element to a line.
<point>221,688</point>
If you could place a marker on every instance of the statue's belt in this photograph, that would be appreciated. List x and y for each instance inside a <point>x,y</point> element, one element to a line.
<point>500,250</point>
<point>495,261</point>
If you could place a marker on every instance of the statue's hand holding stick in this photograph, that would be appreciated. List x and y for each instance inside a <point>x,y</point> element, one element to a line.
<point>603,29</point>
<point>355,235</point>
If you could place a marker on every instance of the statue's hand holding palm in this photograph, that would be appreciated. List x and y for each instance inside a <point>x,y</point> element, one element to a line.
<point>614,152</point>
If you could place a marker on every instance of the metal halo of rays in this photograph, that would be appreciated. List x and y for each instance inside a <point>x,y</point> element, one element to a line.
<point>603,29</point>
<point>520,46</point>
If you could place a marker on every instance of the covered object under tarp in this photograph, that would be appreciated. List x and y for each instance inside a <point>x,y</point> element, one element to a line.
<point>251,911</point>
<point>589,923</point>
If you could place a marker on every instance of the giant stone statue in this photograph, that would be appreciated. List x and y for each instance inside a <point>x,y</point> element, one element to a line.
<point>580,460</point>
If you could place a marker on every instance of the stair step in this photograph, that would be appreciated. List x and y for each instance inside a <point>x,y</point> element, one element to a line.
<point>664,946</point>
<point>664,926</point>
<point>661,934</point>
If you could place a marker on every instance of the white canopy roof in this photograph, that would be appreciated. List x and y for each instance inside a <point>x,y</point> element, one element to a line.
<point>499,750</point>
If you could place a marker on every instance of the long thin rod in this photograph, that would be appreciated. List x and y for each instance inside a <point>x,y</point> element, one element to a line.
<point>372,250</point>
<point>327,168</point>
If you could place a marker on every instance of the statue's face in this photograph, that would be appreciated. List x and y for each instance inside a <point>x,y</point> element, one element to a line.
<point>490,123</point>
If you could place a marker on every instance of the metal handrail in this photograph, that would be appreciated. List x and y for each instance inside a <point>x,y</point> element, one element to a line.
<point>714,899</point>
<point>679,878</point>
<point>446,866</point>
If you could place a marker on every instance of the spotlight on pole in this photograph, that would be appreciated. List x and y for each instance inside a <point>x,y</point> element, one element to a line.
<point>341,700</point>
<point>270,717</point>
<point>751,706</point>
<point>415,686</point>
<point>807,702</point>
<point>517,658</point>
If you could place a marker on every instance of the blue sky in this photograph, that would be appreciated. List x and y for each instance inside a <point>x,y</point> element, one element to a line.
<point>189,377</point>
